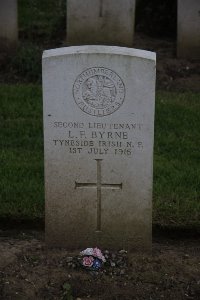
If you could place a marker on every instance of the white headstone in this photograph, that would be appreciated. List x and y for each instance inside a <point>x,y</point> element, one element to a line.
<point>102,22</point>
<point>188,44</point>
<point>98,133</point>
<point>8,21</point>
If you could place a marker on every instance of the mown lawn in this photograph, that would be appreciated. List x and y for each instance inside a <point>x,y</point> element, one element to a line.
<point>176,157</point>
<point>21,173</point>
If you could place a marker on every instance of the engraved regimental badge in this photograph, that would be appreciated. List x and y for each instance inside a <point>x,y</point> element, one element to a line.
<point>99,91</point>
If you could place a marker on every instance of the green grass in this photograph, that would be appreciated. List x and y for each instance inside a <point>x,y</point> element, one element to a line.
<point>21,184</point>
<point>177,159</point>
<point>176,156</point>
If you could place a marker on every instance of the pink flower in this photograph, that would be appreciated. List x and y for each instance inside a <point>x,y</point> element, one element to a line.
<point>97,253</point>
<point>88,261</point>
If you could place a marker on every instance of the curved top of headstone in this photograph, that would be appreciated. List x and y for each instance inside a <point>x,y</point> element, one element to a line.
<point>114,50</point>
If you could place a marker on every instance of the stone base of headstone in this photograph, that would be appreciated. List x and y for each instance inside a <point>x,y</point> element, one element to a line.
<point>100,22</point>
<point>188,40</point>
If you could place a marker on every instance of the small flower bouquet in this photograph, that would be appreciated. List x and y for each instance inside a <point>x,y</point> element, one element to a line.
<point>92,258</point>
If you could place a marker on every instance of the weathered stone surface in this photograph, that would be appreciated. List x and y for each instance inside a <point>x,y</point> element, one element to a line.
<point>8,21</point>
<point>188,44</point>
<point>98,132</point>
<point>100,22</point>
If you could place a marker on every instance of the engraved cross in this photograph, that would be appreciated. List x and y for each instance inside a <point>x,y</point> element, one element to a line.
<point>99,185</point>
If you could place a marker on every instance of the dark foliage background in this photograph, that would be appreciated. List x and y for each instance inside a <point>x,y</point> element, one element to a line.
<point>157,18</point>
